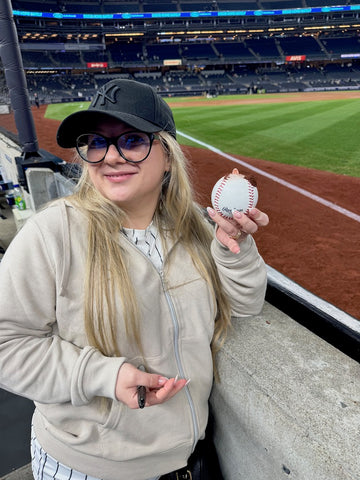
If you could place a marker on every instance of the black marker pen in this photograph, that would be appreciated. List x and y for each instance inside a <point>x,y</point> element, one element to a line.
<point>141,391</point>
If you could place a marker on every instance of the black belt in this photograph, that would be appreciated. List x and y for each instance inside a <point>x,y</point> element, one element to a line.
<point>181,474</point>
<point>202,464</point>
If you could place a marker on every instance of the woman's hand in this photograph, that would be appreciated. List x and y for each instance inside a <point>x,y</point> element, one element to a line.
<point>159,389</point>
<point>231,232</point>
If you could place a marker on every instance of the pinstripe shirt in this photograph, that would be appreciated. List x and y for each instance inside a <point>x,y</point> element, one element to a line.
<point>148,242</point>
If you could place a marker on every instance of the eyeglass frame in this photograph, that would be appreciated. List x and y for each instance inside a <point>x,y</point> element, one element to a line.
<point>113,141</point>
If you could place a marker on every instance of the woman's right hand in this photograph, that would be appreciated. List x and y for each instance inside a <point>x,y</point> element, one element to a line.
<point>159,389</point>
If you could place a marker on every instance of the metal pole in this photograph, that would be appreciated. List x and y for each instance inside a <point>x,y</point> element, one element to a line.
<point>16,80</point>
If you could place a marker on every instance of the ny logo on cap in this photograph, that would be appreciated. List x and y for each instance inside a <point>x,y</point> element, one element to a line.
<point>106,92</point>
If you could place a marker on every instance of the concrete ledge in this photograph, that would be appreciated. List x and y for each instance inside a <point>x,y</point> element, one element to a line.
<point>288,405</point>
<point>23,473</point>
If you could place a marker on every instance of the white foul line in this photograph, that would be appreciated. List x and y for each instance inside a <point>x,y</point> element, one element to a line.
<point>310,195</point>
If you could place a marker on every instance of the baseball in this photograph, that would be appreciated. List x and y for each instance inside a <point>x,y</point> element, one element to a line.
<point>233,192</point>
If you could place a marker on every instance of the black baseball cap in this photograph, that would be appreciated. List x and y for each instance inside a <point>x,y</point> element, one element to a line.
<point>131,102</point>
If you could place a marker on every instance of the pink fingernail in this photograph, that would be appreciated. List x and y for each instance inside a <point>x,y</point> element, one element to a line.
<point>162,380</point>
<point>237,214</point>
<point>211,211</point>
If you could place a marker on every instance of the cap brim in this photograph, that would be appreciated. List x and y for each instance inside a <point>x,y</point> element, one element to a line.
<point>84,122</point>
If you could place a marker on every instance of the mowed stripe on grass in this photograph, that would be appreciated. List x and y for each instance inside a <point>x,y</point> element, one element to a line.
<point>316,134</point>
<point>321,135</point>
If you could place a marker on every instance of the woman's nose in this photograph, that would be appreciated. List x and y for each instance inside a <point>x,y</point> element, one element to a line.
<point>113,156</point>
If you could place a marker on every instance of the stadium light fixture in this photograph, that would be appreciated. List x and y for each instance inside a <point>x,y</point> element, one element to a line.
<point>123,34</point>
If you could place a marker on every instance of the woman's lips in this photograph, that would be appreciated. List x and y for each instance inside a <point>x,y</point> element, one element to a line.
<point>119,177</point>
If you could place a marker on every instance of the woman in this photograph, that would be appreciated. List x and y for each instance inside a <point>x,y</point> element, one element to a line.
<point>120,286</point>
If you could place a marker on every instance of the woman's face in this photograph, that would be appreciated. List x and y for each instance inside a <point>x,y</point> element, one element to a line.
<point>135,187</point>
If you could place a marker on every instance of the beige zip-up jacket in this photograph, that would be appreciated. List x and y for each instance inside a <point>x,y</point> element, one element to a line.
<point>44,354</point>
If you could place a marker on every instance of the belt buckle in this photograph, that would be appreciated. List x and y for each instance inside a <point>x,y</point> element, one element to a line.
<point>184,476</point>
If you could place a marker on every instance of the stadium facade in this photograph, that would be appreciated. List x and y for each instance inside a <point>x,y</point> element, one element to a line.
<point>187,47</point>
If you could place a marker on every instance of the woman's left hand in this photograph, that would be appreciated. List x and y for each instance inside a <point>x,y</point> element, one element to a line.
<point>159,389</point>
<point>231,232</point>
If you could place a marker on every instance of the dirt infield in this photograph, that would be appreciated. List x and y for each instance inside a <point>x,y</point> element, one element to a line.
<point>310,243</point>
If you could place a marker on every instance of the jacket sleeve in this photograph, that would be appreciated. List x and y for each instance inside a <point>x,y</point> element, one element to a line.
<point>35,361</point>
<point>243,276</point>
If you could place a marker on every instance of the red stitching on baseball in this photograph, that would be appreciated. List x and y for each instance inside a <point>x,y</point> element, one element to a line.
<point>218,193</point>
<point>251,192</point>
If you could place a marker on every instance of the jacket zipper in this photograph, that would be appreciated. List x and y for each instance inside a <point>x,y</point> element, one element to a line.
<point>176,341</point>
<point>178,360</point>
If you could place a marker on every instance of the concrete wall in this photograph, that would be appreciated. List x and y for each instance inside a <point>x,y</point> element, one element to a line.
<point>288,405</point>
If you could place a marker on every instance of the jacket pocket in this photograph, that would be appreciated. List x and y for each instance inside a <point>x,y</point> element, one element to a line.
<point>129,434</point>
<point>114,415</point>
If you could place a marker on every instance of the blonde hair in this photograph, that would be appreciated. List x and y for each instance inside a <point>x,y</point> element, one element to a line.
<point>179,215</point>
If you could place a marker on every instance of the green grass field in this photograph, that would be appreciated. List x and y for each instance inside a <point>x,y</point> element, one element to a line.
<point>320,134</point>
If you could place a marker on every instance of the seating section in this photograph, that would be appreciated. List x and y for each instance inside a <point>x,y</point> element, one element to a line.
<point>80,7</point>
<point>263,48</point>
<point>234,51</point>
<point>95,57</point>
<point>37,59</point>
<point>342,45</point>
<point>321,3</point>
<point>33,6</point>
<point>212,65</point>
<point>281,4</point>
<point>196,6</point>
<point>69,59</point>
<point>126,52</point>
<point>198,51</point>
<point>138,53</point>
<point>159,6</point>
<point>161,52</point>
<point>120,7</point>
<point>183,81</point>
<point>301,46</point>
